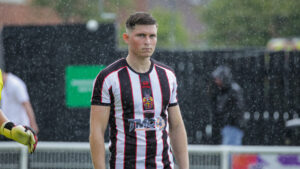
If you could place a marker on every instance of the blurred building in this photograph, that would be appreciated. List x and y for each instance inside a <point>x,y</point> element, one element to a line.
<point>20,12</point>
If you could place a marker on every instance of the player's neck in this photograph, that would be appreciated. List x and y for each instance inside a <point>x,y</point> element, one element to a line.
<point>140,65</point>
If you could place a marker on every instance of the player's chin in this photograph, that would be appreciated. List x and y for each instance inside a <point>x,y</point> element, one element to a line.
<point>146,54</point>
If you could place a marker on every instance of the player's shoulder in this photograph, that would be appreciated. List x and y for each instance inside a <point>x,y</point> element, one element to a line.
<point>14,83</point>
<point>14,79</point>
<point>112,67</point>
<point>162,65</point>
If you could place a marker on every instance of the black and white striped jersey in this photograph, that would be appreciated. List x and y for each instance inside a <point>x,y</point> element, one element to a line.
<point>139,118</point>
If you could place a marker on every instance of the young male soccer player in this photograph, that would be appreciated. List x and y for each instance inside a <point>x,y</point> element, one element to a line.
<point>21,134</point>
<point>137,96</point>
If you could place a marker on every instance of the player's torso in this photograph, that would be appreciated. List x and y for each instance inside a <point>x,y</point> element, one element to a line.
<point>139,117</point>
<point>139,101</point>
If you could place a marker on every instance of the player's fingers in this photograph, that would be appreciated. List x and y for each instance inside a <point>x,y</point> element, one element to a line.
<point>32,139</point>
<point>29,148</point>
<point>33,142</point>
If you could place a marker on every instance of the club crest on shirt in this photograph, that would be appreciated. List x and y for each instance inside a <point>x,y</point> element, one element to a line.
<point>148,102</point>
<point>146,124</point>
<point>146,84</point>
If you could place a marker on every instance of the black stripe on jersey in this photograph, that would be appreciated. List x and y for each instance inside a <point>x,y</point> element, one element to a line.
<point>173,104</point>
<point>165,91</point>
<point>130,148</point>
<point>97,91</point>
<point>113,132</point>
<point>147,95</point>
<point>148,107</point>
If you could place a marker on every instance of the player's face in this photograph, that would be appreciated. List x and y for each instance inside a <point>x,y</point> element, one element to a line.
<point>218,82</point>
<point>142,40</point>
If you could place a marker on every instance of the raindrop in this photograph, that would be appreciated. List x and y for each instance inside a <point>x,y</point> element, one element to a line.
<point>181,66</point>
<point>295,116</point>
<point>256,115</point>
<point>246,115</point>
<point>190,68</point>
<point>276,115</point>
<point>286,116</point>
<point>198,135</point>
<point>208,130</point>
<point>266,115</point>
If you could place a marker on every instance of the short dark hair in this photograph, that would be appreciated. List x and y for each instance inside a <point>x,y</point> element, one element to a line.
<point>139,18</point>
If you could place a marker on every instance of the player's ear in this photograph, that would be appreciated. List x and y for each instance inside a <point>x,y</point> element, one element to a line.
<point>126,37</point>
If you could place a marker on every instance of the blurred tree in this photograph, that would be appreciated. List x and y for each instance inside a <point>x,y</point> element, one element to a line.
<point>79,10</point>
<point>171,31</point>
<point>237,23</point>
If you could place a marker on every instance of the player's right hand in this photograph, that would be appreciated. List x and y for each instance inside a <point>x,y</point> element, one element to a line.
<point>22,134</point>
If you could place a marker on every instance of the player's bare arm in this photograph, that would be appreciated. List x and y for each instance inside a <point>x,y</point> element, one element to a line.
<point>98,122</point>
<point>30,113</point>
<point>2,118</point>
<point>178,137</point>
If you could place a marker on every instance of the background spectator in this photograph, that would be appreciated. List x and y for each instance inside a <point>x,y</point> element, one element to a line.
<point>227,103</point>
<point>15,102</point>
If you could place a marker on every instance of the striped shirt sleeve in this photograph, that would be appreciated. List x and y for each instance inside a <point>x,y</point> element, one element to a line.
<point>173,86</point>
<point>100,95</point>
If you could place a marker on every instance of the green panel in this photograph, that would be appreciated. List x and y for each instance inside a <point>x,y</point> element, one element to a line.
<point>79,84</point>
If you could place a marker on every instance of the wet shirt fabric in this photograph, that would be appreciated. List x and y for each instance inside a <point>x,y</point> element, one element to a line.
<point>14,94</point>
<point>139,118</point>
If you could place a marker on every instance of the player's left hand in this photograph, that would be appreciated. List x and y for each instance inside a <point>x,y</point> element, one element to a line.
<point>22,134</point>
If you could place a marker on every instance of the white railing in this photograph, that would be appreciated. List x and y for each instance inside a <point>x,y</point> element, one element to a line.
<point>76,155</point>
<point>225,153</point>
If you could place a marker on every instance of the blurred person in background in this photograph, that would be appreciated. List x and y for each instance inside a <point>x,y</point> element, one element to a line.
<point>19,133</point>
<point>15,102</point>
<point>284,44</point>
<point>227,105</point>
<point>137,97</point>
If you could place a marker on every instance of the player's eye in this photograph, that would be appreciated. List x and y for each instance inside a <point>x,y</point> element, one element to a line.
<point>152,36</point>
<point>141,35</point>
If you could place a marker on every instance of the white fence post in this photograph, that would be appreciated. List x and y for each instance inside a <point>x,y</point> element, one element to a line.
<point>23,158</point>
<point>225,158</point>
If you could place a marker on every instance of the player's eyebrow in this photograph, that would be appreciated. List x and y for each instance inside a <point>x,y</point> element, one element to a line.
<point>139,34</point>
<point>145,34</point>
